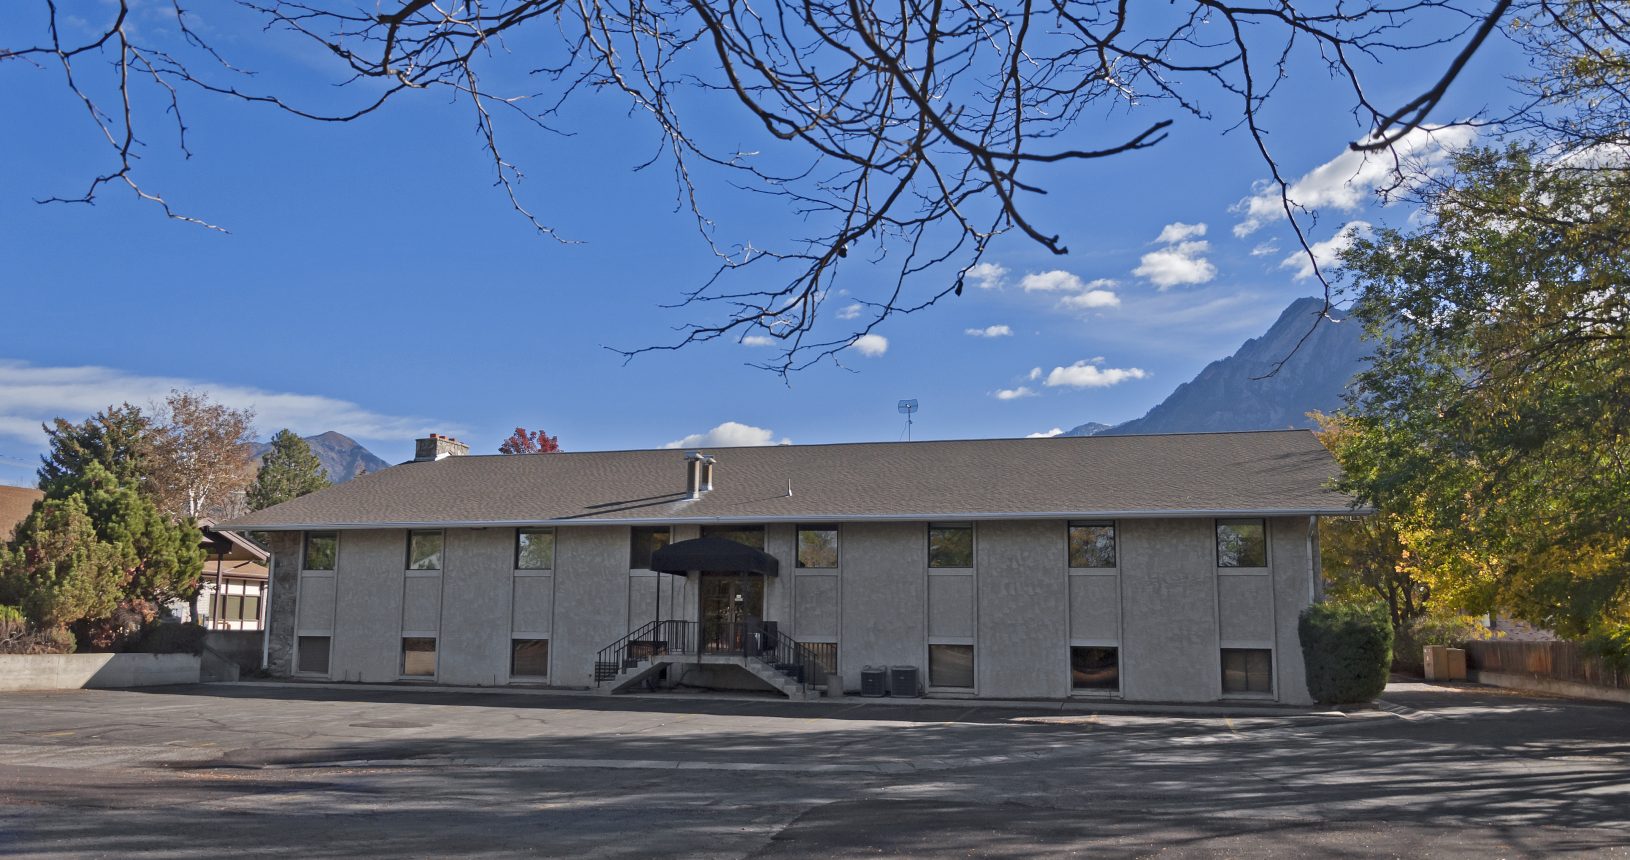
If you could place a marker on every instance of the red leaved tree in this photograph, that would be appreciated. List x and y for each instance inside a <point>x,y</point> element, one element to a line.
<point>523,441</point>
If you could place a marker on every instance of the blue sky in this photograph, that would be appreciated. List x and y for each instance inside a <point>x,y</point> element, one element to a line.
<point>375,282</point>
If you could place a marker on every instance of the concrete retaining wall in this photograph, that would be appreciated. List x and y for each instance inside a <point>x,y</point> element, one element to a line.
<point>1539,684</point>
<point>74,671</point>
<point>242,647</point>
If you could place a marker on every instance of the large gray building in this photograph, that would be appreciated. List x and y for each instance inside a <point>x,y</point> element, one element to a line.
<point>1147,568</point>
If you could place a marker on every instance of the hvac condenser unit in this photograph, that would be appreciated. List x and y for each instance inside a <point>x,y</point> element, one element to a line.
<point>874,681</point>
<point>903,681</point>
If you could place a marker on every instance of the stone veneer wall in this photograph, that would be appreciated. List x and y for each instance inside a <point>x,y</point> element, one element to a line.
<point>285,579</point>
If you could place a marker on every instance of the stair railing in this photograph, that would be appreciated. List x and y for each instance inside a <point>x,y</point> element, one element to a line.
<point>791,658</point>
<point>652,639</point>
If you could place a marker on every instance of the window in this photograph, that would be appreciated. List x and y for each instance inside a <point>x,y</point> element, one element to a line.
<point>320,551</point>
<point>234,608</point>
<point>818,546</point>
<point>1092,544</point>
<point>752,536</point>
<point>251,607</point>
<point>1247,670</point>
<point>313,655</point>
<point>1093,668</point>
<point>419,656</point>
<point>534,549</point>
<point>424,551</point>
<point>1242,543</point>
<point>950,546</point>
<point>529,658</point>
<point>644,541</point>
<point>950,666</point>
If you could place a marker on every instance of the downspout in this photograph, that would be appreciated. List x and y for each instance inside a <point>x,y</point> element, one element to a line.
<point>1315,580</point>
<point>266,613</point>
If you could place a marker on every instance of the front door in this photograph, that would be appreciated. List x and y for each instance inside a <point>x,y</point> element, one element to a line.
<point>732,607</point>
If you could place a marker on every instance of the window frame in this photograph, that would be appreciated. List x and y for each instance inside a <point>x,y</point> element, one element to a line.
<point>973,546</point>
<point>798,545</point>
<point>1115,544</point>
<point>305,551</point>
<point>535,530</point>
<point>441,552</point>
<point>1216,545</point>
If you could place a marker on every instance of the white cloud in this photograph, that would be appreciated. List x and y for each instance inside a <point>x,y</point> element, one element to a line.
<point>1177,231</point>
<point>872,345</point>
<point>1346,182</point>
<point>1053,281</point>
<point>1183,263</point>
<point>1086,374</point>
<point>1015,393</point>
<point>30,395</point>
<point>1046,434</point>
<point>730,434</point>
<point>1090,299</point>
<point>849,312</point>
<point>989,331</point>
<point>986,276</point>
<point>1328,252</point>
<point>758,340</point>
<point>1266,249</point>
<point>1035,373</point>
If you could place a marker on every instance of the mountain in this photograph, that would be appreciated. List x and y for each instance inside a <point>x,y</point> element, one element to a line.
<point>342,456</point>
<point>1228,395</point>
<point>1091,428</point>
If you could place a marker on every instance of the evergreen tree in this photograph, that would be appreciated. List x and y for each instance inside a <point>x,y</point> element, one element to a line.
<point>121,438</point>
<point>57,569</point>
<point>162,557</point>
<point>289,470</point>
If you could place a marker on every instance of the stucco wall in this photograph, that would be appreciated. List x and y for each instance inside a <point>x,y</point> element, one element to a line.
<point>1021,647</point>
<point>1295,564</point>
<point>477,587</point>
<point>1169,610</point>
<point>591,599</point>
<point>884,592</point>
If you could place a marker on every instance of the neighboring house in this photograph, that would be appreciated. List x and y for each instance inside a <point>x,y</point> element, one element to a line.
<point>1147,568</point>
<point>232,596</point>
<point>15,505</point>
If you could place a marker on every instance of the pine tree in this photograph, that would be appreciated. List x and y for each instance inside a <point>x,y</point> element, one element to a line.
<point>121,438</point>
<point>57,569</point>
<point>289,470</point>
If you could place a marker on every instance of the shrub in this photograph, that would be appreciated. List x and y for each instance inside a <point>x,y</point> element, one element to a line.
<point>19,637</point>
<point>1347,649</point>
<point>121,630</point>
<point>11,614</point>
<point>173,638</point>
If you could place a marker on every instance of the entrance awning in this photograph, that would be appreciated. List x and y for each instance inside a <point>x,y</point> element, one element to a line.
<point>713,554</point>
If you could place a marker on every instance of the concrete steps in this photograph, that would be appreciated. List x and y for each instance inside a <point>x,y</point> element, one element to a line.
<point>757,668</point>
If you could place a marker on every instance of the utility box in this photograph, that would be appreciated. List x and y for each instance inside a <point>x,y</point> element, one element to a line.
<point>903,682</point>
<point>1444,663</point>
<point>874,682</point>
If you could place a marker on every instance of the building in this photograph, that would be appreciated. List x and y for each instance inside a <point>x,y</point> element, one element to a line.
<point>1149,568</point>
<point>232,587</point>
<point>15,505</point>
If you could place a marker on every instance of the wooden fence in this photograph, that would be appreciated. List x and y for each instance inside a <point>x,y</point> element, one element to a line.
<point>1558,661</point>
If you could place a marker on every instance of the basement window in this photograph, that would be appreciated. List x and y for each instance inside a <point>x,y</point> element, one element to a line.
<point>311,655</point>
<point>1095,669</point>
<point>529,658</point>
<point>1247,670</point>
<point>950,666</point>
<point>419,657</point>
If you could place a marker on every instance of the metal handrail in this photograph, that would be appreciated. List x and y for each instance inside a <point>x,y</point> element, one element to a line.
<point>651,639</point>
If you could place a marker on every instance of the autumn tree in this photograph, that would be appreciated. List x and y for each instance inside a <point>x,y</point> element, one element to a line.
<point>287,471</point>
<point>524,441</point>
<point>202,461</point>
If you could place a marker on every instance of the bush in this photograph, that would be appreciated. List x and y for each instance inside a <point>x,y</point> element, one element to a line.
<point>1347,649</point>
<point>19,637</point>
<point>11,614</point>
<point>172,638</point>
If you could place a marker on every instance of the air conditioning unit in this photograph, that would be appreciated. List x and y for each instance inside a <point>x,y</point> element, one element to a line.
<point>903,682</point>
<point>874,681</point>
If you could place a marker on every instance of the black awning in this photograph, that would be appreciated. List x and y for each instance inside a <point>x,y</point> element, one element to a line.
<point>713,554</point>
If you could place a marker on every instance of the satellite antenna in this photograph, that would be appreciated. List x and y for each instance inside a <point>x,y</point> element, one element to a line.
<point>907,408</point>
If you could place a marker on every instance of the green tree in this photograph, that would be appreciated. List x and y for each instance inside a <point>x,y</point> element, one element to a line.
<point>121,438</point>
<point>289,470</point>
<point>57,569</point>
<point>162,557</point>
<point>1493,424</point>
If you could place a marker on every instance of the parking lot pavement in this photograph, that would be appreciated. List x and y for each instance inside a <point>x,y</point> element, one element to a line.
<point>1445,771</point>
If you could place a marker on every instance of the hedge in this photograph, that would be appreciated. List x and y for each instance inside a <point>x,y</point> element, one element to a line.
<point>1347,649</point>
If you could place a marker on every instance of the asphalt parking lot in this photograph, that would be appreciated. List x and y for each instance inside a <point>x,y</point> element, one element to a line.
<point>328,772</point>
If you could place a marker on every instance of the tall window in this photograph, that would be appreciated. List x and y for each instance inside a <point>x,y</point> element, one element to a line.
<point>424,550</point>
<point>1242,543</point>
<point>950,546</point>
<point>321,548</point>
<point>818,546</point>
<point>752,536</point>
<point>534,549</point>
<point>1092,545</point>
<point>643,541</point>
<point>1247,670</point>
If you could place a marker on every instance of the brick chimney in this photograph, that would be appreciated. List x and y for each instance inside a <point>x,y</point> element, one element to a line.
<point>437,446</point>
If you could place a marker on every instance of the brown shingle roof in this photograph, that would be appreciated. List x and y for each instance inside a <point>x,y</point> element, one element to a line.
<point>1272,472</point>
<point>15,503</point>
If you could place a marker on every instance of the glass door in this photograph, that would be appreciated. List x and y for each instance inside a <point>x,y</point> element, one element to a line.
<point>732,608</point>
